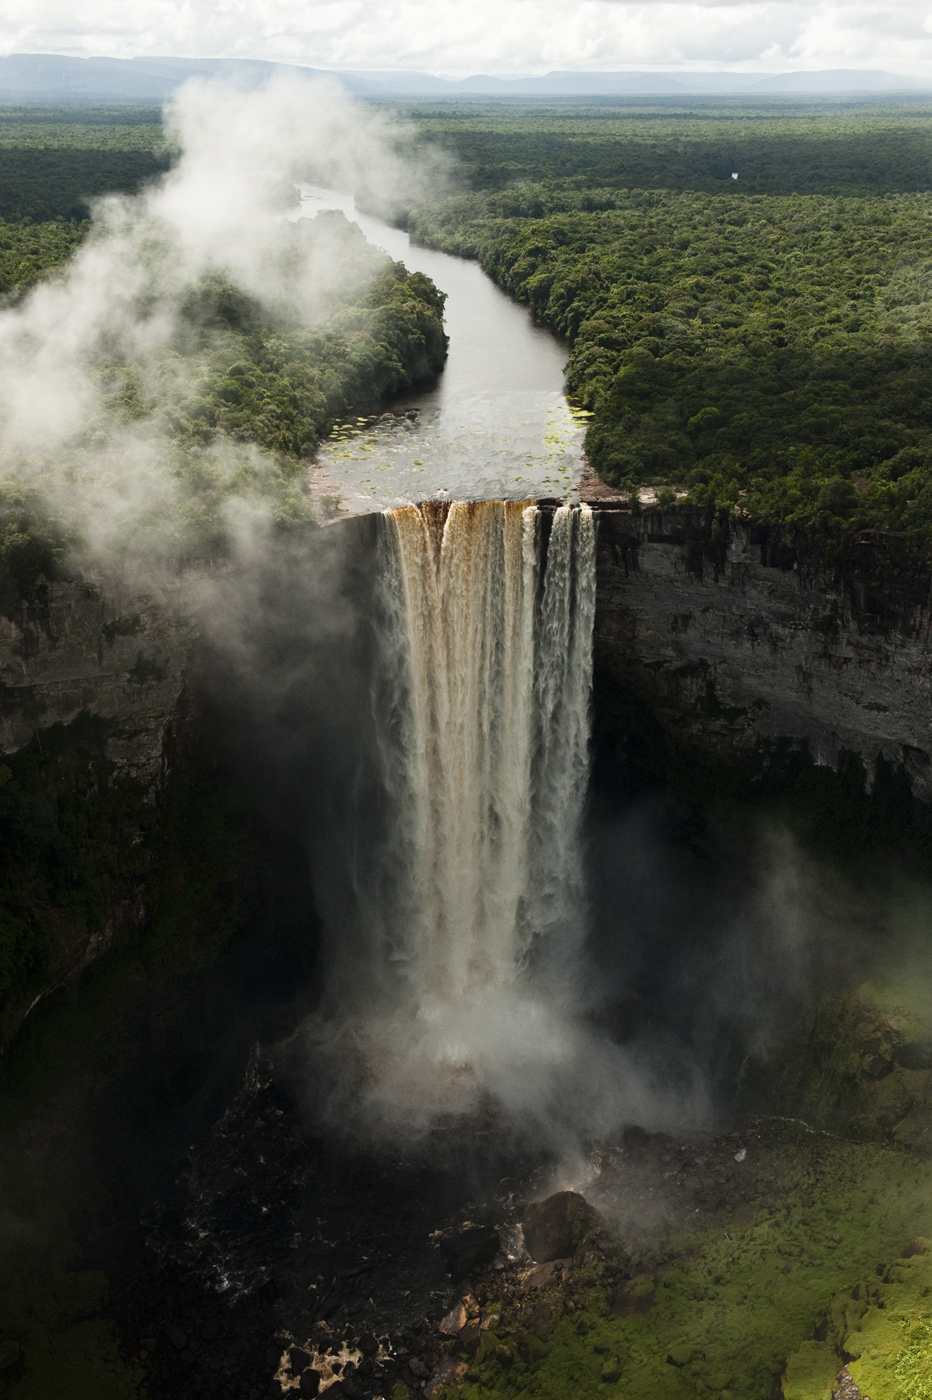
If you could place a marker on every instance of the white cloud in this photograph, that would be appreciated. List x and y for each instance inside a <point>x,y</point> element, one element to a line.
<point>503,36</point>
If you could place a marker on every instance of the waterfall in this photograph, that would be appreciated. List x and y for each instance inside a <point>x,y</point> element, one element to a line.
<point>492,735</point>
<point>463,980</point>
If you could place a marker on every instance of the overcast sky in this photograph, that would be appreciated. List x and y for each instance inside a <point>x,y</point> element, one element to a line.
<point>461,37</point>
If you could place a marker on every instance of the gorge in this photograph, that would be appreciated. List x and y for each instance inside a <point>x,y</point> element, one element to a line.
<point>351,955</point>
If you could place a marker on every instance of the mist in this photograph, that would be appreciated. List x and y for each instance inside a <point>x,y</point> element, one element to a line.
<point>95,360</point>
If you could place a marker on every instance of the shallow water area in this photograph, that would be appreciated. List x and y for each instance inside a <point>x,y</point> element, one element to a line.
<point>496,426</point>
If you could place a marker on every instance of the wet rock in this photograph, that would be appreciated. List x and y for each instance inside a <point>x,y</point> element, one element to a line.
<point>544,1275</point>
<point>541,1315</point>
<point>416,1365</point>
<point>844,1387</point>
<point>454,1321</point>
<point>352,1385</point>
<point>470,1250</point>
<point>177,1337</point>
<point>450,1369</point>
<point>554,1227</point>
<point>299,1358</point>
<point>368,1344</point>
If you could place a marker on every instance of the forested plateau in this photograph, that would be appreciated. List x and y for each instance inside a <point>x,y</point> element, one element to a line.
<point>769,352</point>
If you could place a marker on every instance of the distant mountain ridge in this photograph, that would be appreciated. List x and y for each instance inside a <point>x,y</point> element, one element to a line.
<point>26,78</point>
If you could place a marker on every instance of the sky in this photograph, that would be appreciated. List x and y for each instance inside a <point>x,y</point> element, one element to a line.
<point>504,37</point>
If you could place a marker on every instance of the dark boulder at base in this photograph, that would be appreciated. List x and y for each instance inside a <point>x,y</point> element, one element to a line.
<point>469,1251</point>
<point>309,1383</point>
<point>555,1226</point>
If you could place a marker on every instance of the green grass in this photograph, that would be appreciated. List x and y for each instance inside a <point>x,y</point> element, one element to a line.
<point>734,1301</point>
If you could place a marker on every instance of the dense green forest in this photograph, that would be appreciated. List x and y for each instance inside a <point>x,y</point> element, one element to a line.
<point>776,146</point>
<point>53,160</point>
<point>28,250</point>
<point>763,342</point>
<point>769,352</point>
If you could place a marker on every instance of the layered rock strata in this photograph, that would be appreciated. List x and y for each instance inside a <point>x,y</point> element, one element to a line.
<point>109,649</point>
<point>736,639</point>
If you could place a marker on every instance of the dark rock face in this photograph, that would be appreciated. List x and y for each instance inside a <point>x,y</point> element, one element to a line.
<point>736,642</point>
<point>470,1250</point>
<point>554,1227</point>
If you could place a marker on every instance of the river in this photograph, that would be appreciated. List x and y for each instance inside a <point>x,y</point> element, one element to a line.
<point>497,426</point>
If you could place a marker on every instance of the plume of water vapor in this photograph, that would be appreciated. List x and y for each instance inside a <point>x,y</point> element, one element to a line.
<point>116,315</point>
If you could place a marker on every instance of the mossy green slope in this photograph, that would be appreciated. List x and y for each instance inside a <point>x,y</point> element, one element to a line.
<point>729,1303</point>
<point>882,1329</point>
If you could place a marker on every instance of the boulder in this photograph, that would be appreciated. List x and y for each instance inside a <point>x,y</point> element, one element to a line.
<point>470,1250</point>
<point>454,1321</point>
<point>555,1226</point>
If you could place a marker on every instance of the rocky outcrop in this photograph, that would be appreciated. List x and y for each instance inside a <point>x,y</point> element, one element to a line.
<point>555,1227</point>
<point>92,717</point>
<point>737,640</point>
<point>100,647</point>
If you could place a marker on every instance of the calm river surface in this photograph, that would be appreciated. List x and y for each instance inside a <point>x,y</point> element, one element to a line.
<point>496,427</point>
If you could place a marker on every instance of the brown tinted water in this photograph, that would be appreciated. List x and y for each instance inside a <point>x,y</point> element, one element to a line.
<point>497,426</point>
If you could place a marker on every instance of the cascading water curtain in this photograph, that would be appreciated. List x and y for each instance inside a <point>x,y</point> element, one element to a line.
<point>461,986</point>
<point>486,741</point>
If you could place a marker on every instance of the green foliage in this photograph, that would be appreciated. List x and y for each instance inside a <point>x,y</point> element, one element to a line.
<point>59,184</point>
<point>777,146</point>
<point>772,354</point>
<point>54,160</point>
<point>32,545</point>
<point>29,251</point>
<point>245,376</point>
<point>733,1299</point>
<point>882,1328</point>
<point>241,397</point>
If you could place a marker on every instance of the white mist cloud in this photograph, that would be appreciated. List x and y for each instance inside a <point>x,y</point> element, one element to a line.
<point>120,302</point>
<point>496,36</point>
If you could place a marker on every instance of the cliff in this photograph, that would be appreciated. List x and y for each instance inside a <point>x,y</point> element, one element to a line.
<point>736,639</point>
<point>101,647</point>
<point>92,720</point>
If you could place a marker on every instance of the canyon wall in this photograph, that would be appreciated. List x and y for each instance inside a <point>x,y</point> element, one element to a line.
<point>97,646</point>
<point>92,714</point>
<point>736,639</point>
<point>114,815</point>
